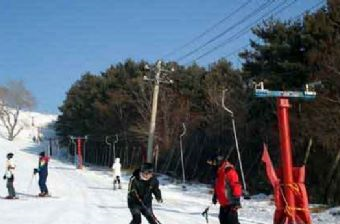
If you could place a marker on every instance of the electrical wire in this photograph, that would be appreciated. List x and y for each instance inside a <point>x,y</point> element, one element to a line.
<point>293,18</point>
<point>230,28</point>
<point>245,30</point>
<point>244,5</point>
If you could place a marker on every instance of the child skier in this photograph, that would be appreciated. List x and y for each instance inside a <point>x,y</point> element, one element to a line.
<point>116,169</point>
<point>227,192</point>
<point>9,175</point>
<point>43,173</point>
<point>141,187</point>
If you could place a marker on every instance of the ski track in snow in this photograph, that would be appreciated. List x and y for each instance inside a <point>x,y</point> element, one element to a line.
<point>86,196</point>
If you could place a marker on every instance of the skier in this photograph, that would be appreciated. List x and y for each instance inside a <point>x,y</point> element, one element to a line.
<point>213,162</point>
<point>227,192</point>
<point>141,187</point>
<point>9,175</point>
<point>116,167</point>
<point>43,172</point>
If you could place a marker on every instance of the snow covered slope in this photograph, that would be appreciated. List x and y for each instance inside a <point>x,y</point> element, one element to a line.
<point>86,196</point>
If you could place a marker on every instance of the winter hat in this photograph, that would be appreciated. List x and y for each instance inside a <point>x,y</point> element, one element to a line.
<point>146,167</point>
<point>219,160</point>
<point>42,154</point>
<point>10,155</point>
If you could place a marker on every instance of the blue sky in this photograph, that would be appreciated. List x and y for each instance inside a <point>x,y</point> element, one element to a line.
<point>50,44</point>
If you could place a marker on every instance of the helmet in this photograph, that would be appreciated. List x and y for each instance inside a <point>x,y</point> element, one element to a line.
<point>117,160</point>
<point>42,154</point>
<point>10,155</point>
<point>146,168</point>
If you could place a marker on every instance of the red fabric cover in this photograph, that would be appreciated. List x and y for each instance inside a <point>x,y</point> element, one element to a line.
<point>281,216</point>
<point>45,159</point>
<point>227,179</point>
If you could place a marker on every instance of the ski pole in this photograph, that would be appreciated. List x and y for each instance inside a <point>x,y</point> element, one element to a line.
<point>146,209</point>
<point>30,183</point>
<point>205,213</point>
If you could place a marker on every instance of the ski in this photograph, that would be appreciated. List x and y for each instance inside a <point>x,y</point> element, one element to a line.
<point>7,198</point>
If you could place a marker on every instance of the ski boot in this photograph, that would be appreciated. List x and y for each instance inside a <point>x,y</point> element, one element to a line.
<point>43,194</point>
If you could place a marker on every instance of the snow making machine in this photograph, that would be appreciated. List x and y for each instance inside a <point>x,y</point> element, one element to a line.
<point>290,195</point>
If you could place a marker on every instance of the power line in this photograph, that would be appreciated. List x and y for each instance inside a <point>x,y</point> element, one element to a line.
<point>317,5</point>
<point>293,18</point>
<point>244,19</point>
<point>209,29</point>
<point>244,30</point>
<point>237,50</point>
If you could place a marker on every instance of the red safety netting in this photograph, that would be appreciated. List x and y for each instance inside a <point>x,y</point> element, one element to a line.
<point>284,213</point>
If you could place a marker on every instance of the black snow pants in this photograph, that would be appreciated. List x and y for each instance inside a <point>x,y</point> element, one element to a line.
<point>117,180</point>
<point>42,183</point>
<point>228,215</point>
<point>10,187</point>
<point>136,212</point>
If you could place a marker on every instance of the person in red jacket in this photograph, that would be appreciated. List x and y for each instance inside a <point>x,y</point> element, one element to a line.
<point>42,170</point>
<point>227,192</point>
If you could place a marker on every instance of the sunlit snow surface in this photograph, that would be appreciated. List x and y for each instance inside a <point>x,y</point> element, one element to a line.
<point>86,196</point>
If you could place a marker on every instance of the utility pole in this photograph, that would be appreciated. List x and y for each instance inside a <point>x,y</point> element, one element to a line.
<point>157,80</point>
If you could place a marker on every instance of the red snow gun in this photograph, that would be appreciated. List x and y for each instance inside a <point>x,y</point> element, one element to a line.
<point>290,193</point>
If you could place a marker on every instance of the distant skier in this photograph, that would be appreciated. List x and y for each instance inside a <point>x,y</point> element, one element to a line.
<point>116,169</point>
<point>227,192</point>
<point>142,185</point>
<point>43,173</point>
<point>9,175</point>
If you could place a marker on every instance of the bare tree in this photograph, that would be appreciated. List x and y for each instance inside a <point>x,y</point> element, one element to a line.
<point>13,98</point>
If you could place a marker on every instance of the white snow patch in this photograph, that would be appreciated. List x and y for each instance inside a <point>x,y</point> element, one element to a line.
<point>86,196</point>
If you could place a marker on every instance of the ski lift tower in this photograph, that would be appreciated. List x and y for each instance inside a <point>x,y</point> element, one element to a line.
<point>290,194</point>
<point>78,155</point>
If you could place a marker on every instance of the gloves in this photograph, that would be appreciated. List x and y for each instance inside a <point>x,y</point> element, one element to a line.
<point>4,177</point>
<point>159,200</point>
<point>214,199</point>
<point>236,204</point>
<point>35,171</point>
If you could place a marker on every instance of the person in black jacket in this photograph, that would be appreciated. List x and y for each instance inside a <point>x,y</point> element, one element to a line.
<point>141,187</point>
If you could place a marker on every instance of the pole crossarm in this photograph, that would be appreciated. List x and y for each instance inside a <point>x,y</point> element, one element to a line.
<point>261,92</point>
<point>77,137</point>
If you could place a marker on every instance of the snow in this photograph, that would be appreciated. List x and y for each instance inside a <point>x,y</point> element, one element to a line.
<point>86,196</point>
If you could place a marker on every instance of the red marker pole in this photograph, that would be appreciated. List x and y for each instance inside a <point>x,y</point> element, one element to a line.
<point>286,156</point>
<point>80,159</point>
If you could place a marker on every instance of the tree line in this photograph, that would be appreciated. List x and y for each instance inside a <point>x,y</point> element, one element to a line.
<point>285,55</point>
